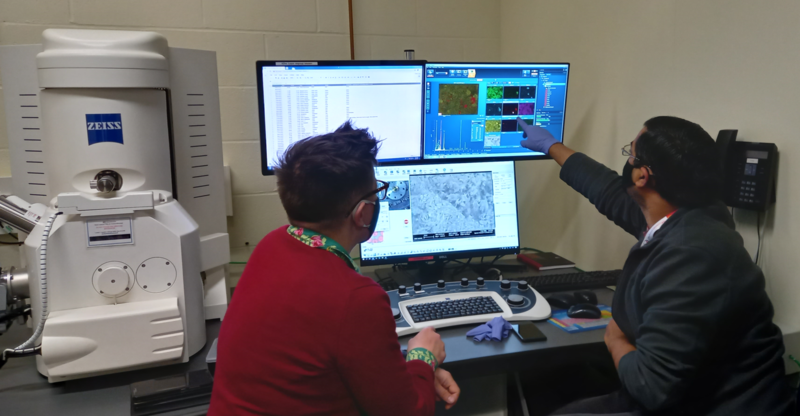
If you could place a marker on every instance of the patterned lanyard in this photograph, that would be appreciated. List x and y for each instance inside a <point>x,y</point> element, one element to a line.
<point>317,240</point>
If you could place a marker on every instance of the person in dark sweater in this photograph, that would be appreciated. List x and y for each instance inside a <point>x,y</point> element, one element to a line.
<point>305,333</point>
<point>692,332</point>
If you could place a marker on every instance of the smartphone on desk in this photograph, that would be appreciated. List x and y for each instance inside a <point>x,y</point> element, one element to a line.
<point>528,332</point>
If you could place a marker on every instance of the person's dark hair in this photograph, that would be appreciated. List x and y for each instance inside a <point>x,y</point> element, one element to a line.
<point>684,160</point>
<point>320,177</point>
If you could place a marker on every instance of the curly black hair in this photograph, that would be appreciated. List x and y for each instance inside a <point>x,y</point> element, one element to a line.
<point>319,177</point>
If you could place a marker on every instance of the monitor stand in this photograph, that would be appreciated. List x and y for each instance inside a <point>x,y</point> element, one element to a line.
<point>426,273</point>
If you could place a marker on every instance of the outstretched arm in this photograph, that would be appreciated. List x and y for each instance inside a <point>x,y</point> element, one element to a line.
<point>540,140</point>
<point>560,153</point>
<point>601,185</point>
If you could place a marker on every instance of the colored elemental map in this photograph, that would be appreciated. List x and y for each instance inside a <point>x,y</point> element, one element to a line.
<point>452,202</point>
<point>494,93</point>
<point>457,99</point>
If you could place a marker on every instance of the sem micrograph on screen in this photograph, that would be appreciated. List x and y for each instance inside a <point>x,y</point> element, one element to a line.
<point>455,202</point>
<point>455,99</point>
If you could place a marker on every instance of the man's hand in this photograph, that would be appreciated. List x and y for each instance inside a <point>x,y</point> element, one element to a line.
<point>446,388</point>
<point>537,138</point>
<point>617,343</point>
<point>431,341</point>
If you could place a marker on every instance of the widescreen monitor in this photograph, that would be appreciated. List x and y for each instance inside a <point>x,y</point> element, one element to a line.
<point>297,100</point>
<point>445,211</point>
<point>471,109</point>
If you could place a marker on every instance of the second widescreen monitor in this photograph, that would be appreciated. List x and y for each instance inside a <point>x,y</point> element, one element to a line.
<point>471,110</point>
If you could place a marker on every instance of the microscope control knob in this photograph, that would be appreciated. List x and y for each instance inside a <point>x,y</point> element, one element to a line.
<point>401,290</point>
<point>516,300</point>
<point>522,285</point>
<point>396,313</point>
<point>481,282</point>
<point>440,284</point>
<point>464,282</point>
<point>417,287</point>
<point>505,284</point>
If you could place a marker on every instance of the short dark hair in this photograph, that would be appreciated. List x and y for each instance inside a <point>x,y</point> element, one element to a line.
<point>684,160</point>
<point>319,177</point>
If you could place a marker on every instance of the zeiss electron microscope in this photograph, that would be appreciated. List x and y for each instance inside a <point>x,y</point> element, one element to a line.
<point>117,176</point>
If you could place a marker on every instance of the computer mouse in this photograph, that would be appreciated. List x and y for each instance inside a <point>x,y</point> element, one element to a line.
<point>584,310</point>
<point>561,300</point>
<point>586,296</point>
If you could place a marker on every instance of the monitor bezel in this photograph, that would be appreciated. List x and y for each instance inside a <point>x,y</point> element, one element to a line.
<point>425,160</point>
<point>452,255</point>
<point>265,170</point>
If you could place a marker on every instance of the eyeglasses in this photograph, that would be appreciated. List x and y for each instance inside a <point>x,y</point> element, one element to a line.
<point>626,151</point>
<point>381,193</point>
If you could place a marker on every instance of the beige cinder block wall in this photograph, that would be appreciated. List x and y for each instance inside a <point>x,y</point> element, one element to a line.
<point>722,64</point>
<point>243,31</point>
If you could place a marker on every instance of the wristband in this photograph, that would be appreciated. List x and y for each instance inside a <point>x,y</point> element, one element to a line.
<point>423,354</point>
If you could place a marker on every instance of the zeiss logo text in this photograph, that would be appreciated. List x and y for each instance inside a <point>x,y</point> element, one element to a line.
<point>104,128</point>
<point>104,125</point>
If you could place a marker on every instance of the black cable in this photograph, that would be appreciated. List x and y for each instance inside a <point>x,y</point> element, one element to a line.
<point>16,242</point>
<point>464,266</point>
<point>22,310</point>
<point>758,233</point>
<point>9,353</point>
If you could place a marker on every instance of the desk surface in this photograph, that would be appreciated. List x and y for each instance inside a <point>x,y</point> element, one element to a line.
<point>24,391</point>
<point>466,357</point>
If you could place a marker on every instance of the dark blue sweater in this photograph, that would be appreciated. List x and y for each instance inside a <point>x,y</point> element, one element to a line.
<point>694,305</point>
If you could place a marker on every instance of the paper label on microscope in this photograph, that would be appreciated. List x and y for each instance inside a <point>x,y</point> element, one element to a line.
<point>33,216</point>
<point>109,232</point>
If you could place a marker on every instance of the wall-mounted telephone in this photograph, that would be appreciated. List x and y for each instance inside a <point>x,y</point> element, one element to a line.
<point>749,172</point>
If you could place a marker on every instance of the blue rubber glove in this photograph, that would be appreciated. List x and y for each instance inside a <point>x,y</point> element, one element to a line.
<point>537,138</point>
<point>494,330</point>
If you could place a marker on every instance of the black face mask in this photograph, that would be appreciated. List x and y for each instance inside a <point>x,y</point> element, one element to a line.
<point>374,223</point>
<point>627,171</point>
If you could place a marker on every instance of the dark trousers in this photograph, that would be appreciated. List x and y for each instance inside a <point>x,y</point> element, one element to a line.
<point>585,382</point>
<point>614,404</point>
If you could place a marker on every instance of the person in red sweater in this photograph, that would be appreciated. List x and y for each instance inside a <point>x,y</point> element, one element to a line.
<point>305,333</point>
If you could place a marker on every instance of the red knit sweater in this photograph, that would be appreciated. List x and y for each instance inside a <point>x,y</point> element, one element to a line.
<point>306,335</point>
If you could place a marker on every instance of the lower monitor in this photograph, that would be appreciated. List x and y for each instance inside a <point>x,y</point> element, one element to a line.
<point>445,211</point>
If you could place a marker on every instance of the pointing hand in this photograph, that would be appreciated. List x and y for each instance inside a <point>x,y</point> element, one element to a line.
<point>537,138</point>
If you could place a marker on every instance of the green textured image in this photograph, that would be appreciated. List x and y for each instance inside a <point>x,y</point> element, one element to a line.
<point>527,120</point>
<point>455,99</point>
<point>494,93</point>
<point>492,126</point>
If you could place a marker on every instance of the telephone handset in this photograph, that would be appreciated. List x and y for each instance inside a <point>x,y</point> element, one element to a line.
<point>749,171</point>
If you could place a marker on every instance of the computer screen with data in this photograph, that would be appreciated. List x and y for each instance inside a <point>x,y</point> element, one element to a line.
<point>444,211</point>
<point>303,99</point>
<point>471,110</point>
